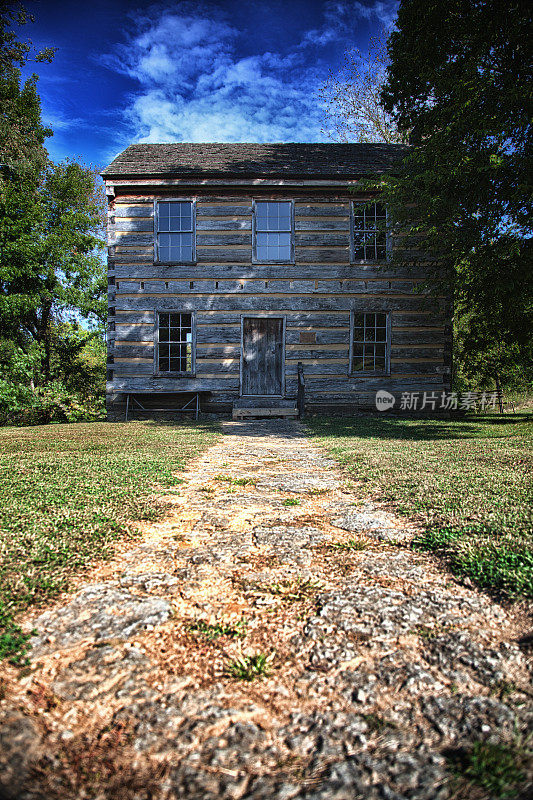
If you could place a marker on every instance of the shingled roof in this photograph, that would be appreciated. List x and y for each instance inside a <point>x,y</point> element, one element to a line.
<point>294,160</point>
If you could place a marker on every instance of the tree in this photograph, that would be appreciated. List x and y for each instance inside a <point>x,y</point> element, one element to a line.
<point>460,79</point>
<point>354,111</point>
<point>22,133</point>
<point>50,220</point>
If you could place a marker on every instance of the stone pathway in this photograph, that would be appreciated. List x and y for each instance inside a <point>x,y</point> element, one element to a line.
<point>380,662</point>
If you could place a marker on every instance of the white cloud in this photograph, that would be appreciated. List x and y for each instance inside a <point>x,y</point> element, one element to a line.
<point>342,18</point>
<point>194,86</point>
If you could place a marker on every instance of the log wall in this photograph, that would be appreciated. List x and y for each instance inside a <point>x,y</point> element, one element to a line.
<point>315,295</point>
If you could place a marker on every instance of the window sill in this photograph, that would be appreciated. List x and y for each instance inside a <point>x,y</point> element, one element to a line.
<point>174,375</point>
<point>175,263</point>
<point>285,261</point>
<point>374,263</point>
<point>369,374</point>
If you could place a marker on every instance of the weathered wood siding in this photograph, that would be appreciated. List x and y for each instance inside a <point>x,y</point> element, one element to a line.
<point>315,295</point>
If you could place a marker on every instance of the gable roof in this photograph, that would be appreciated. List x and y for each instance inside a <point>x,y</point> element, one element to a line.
<point>217,160</point>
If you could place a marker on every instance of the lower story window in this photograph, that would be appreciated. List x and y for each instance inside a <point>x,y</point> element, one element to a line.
<point>370,342</point>
<point>175,344</point>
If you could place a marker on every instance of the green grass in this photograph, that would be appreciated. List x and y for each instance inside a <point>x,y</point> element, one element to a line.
<point>212,632</point>
<point>468,481</point>
<point>497,768</point>
<point>350,544</point>
<point>236,481</point>
<point>290,590</point>
<point>69,491</point>
<point>249,668</point>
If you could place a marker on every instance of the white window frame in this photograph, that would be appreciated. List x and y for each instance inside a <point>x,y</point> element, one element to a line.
<point>255,259</point>
<point>173,374</point>
<point>370,373</point>
<point>192,201</point>
<point>361,203</point>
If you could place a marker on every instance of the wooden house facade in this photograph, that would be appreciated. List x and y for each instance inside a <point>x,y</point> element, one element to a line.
<point>232,264</point>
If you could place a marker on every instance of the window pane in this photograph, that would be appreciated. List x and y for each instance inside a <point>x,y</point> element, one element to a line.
<point>274,246</point>
<point>369,360</point>
<point>273,225</point>
<point>176,216</point>
<point>370,332</point>
<point>175,246</point>
<point>369,342</point>
<point>175,342</point>
<point>359,222</point>
<point>369,232</point>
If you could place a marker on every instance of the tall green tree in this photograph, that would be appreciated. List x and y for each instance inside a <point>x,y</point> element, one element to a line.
<point>460,79</point>
<point>50,220</point>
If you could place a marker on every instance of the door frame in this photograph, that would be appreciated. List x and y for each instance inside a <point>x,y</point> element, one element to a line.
<point>264,315</point>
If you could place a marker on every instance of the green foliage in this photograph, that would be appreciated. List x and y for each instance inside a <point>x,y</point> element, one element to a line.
<point>22,133</point>
<point>482,361</point>
<point>291,501</point>
<point>45,404</point>
<point>250,668</point>
<point>497,768</point>
<point>68,492</point>
<point>51,268</point>
<point>14,643</point>
<point>75,391</point>
<point>50,264</point>
<point>460,80</point>
<point>466,481</point>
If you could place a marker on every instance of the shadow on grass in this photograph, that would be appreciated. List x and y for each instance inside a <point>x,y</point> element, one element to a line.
<point>418,429</point>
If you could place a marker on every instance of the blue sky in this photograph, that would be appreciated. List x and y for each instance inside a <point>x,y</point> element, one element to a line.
<point>191,71</point>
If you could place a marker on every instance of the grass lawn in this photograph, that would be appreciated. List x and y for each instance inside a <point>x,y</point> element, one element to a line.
<point>68,491</point>
<point>468,481</point>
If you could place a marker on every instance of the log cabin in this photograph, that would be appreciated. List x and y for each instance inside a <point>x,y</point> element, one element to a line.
<point>246,277</point>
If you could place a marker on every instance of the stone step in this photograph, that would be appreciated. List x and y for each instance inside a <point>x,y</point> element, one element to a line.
<point>246,413</point>
<point>264,402</point>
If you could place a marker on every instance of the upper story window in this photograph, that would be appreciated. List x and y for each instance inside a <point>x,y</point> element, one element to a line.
<point>370,343</point>
<point>369,232</point>
<point>176,228</point>
<point>273,231</point>
<point>174,341</point>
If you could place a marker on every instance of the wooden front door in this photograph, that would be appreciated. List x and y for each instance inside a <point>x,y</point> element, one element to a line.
<point>262,356</point>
